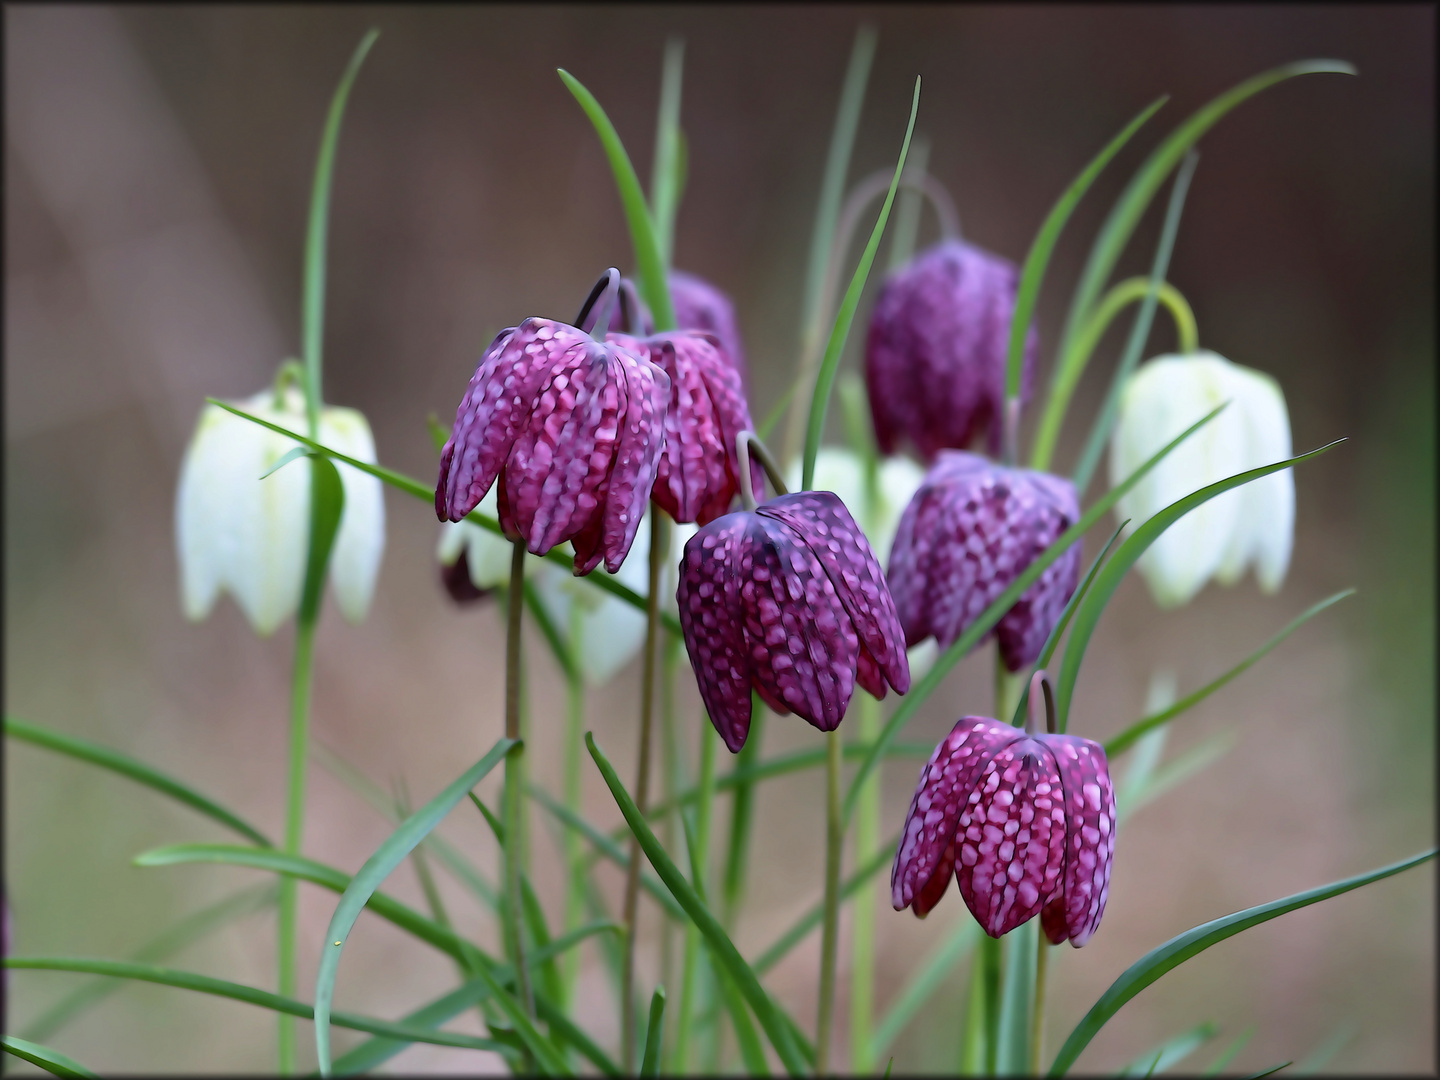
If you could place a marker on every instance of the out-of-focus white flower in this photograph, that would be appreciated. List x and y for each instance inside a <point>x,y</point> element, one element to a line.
<point>842,471</point>
<point>487,554</point>
<point>249,537</point>
<point>605,632</point>
<point>1252,524</point>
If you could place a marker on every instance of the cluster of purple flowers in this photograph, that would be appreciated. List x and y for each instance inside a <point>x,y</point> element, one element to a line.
<point>582,427</point>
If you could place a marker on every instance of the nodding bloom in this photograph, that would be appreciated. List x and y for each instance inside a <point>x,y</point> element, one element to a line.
<point>876,510</point>
<point>935,353</point>
<point>971,530</point>
<point>249,537</point>
<point>1251,525</point>
<point>1026,821</point>
<point>699,473</point>
<point>701,306</point>
<point>790,600</point>
<point>573,428</point>
<point>473,560</point>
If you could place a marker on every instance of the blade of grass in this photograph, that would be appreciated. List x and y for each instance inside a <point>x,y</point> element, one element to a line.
<point>377,868</point>
<point>1175,772</point>
<point>52,1061</point>
<point>116,762</point>
<point>1182,947</point>
<point>1109,579</point>
<point>1037,260</point>
<point>1318,1058</point>
<point>992,614</point>
<point>721,946</point>
<point>1171,1052</point>
<point>414,487</point>
<point>666,179</point>
<point>1139,330</point>
<point>650,1059</point>
<point>183,934</point>
<point>1229,1053</point>
<point>649,263</point>
<point>1118,744</point>
<point>920,990</point>
<point>204,984</point>
<point>825,377</point>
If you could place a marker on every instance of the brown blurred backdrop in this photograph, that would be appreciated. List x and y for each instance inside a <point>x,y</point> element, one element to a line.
<point>157,171</point>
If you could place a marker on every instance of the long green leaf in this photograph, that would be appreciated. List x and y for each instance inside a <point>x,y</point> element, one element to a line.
<point>667,170</point>
<point>1124,558</point>
<point>825,378</point>
<point>1174,772</point>
<point>920,990</point>
<point>377,868</point>
<point>1229,1053</point>
<point>1032,275</point>
<point>1118,744</point>
<point>186,932</point>
<point>1178,949</point>
<point>414,487</point>
<point>1171,1052</point>
<point>204,984</point>
<point>52,1061</point>
<point>720,944</point>
<point>654,1034</point>
<point>997,609</point>
<point>648,261</point>
<point>128,767</point>
<point>1130,206</point>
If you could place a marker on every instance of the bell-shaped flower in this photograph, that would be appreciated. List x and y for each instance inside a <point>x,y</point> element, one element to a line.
<point>936,351</point>
<point>877,512</point>
<point>1025,821</point>
<point>249,537</point>
<point>698,475</point>
<point>790,600</point>
<point>572,427</point>
<point>701,306</point>
<point>605,632</point>
<point>972,528</point>
<point>1250,525</point>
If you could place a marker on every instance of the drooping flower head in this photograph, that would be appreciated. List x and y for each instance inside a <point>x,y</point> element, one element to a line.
<point>788,599</point>
<point>701,306</point>
<point>699,472</point>
<point>1252,525</point>
<point>972,528</point>
<point>249,537</point>
<point>573,428</point>
<point>1024,820</point>
<point>935,353</point>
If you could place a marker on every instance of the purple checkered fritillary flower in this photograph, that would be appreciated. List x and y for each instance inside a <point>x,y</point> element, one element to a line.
<point>1026,822</point>
<point>970,530</point>
<point>935,354</point>
<point>790,600</point>
<point>573,428</point>
<point>699,471</point>
<point>701,306</point>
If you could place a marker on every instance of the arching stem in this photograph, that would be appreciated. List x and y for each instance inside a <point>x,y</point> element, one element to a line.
<point>745,443</point>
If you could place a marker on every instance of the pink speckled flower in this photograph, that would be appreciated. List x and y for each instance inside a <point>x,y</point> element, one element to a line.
<point>971,529</point>
<point>1025,821</point>
<point>699,471</point>
<point>935,353</point>
<point>790,600</point>
<point>573,427</point>
<point>701,306</point>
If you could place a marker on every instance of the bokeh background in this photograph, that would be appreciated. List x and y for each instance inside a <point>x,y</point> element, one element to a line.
<point>157,171</point>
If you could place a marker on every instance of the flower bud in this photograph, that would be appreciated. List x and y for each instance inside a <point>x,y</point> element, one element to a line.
<point>935,355</point>
<point>1250,525</point>
<point>240,534</point>
<point>701,306</point>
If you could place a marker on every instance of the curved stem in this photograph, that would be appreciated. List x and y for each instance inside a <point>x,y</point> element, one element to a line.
<point>659,542</point>
<point>1072,364</point>
<point>829,941</point>
<point>599,304</point>
<point>515,780</point>
<point>745,443</point>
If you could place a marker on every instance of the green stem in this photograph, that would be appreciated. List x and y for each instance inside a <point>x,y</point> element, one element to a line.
<point>691,966</point>
<point>862,950</point>
<point>972,1047</point>
<point>742,806</point>
<point>830,938</point>
<point>300,686</point>
<point>659,542</point>
<point>515,781</point>
<point>1037,1019</point>
<point>574,843</point>
<point>673,780</point>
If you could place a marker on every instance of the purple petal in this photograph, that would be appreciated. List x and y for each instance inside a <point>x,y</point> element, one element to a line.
<point>1011,837</point>
<point>488,416</point>
<point>927,845</point>
<point>701,306</point>
<point>710,617</point>
<point>640,441</point>
<point>1075,912</point>
<point>820,518</point>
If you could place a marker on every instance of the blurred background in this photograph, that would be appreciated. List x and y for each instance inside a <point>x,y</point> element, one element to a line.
<point>157,171</point>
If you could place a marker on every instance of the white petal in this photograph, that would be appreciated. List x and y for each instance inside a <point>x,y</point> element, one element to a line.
<point>900,478</point>
<point>1271,499</point>
<point>922,658</point>
<point>360,543</point>
<point>679,536</point>
<point>488,554</point>
<point>199,515</point>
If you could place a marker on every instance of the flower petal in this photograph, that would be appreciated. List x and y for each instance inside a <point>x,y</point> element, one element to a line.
<point>640,439</point>
<point>709,602</point>
<point>1089,840</point>
<point>360,541</point>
